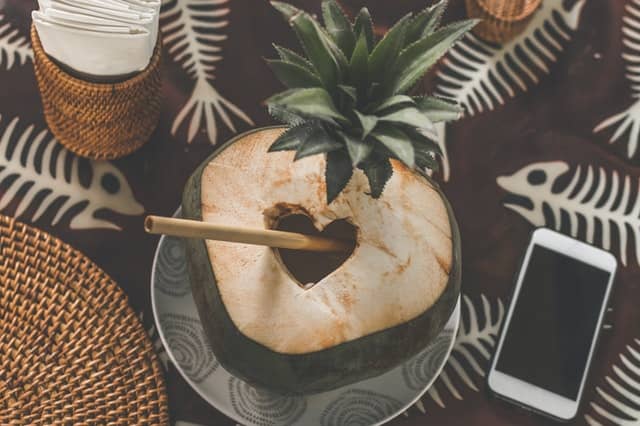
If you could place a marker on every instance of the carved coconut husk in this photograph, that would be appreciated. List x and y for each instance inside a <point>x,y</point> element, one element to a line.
<point>294,358</point>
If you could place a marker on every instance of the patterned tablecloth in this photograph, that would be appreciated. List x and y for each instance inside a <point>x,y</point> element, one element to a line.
<point>550,101</point>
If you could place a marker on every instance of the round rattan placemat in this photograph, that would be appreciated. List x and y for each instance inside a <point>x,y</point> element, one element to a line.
<point>72,351</point>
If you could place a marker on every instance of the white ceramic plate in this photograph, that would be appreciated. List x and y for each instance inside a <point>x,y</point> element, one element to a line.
<point>369,402</point>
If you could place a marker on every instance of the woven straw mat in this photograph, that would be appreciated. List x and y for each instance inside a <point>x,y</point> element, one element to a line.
<point>72,351</point>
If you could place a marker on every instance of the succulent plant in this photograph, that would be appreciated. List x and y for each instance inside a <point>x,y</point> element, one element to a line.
<point>348,97</point>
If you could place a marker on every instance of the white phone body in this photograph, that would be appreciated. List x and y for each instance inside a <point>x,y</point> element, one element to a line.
<point>521,391</point>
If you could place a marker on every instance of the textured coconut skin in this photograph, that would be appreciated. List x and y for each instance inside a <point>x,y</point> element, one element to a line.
<point>313,372</point>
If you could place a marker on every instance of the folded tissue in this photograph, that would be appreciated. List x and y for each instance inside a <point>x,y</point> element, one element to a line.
<point>99,39</point>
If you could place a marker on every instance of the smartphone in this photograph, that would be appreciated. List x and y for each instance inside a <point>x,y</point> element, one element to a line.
<point>551,328</point>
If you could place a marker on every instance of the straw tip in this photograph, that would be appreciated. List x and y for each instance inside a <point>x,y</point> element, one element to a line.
<point>148,224</point>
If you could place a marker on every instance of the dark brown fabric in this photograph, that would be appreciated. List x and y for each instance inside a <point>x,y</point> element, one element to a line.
<point>552,121</point>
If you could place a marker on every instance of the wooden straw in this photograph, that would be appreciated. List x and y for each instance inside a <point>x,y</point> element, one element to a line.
<point>262,237</point>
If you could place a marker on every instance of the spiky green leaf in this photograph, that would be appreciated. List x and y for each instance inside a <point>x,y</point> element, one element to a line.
<point>292,75</point>
<point>410,116</point>
<point>367,122</point>
<point>364,25</point>
<point>338,172</point>
<point>285,9</point>
<point>422,142</point>
<point>437,109</point>
<point>338,26</point>
<point>425,22</point>
<point>284,116</point>
<point>425,158</point>
<point>315,103</point>
<point>289,55</point>
<point>359,150</point>
<point>350,92</point>
<point>386,51</point>
<point>378,173</point>
<point>359,66</point>
<point>292,138</point>
<point>319,47</point>
<point>318,141</point>
<point>397,142</point>
<point>418,57</point>
<point>393,102</point>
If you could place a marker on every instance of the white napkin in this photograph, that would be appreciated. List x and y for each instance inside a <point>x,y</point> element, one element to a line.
<point>99,38</point>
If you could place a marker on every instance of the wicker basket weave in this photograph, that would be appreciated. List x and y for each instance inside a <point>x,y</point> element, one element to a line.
<point>98,120</point>
<point>71,349</point>
<point>501,19</point>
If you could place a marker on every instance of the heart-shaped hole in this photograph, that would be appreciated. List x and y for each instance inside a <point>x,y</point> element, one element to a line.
<point>307,267</point>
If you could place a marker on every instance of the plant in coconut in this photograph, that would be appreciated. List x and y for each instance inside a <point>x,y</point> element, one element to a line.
<point>348,98</point>
<point>350,161</point>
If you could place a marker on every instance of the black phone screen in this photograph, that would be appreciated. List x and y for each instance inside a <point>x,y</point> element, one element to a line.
<point>554,321</point>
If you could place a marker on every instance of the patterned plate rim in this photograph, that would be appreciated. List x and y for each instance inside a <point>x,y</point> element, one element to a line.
<point>229,413</point>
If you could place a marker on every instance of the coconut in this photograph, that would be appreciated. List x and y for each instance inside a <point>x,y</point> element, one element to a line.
<point>383,304</point>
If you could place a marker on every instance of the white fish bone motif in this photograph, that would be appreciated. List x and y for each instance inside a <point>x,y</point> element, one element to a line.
<point>473,346</point>
<point>471,352</point>
<point>480,76</point>
<point>14,48</point>
<point>40,174</point>
<point>192,31</point>
<point>628,121</point>
<point>619,401</point>
<point>598,197</point>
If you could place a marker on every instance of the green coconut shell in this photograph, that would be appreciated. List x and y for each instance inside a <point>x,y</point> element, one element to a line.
<point>295,374</point>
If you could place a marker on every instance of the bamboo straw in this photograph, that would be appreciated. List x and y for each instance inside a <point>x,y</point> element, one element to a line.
<point>263,237</point>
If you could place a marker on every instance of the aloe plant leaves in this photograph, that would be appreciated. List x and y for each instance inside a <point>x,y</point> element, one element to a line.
<point>418,57</point>
<point>425,22</point>
<point>326,57</point>
<point>314,102</point>
<point>338,172</point>
<point>393,102</point>
<point>338,26</point>
<point>293,75</point>
<point>437,109</point>
<point>306,139</point>
<point>364,25</point>
<point>289,55</point>
<point>398,143</point>
<point>292,138</point>
<point>347,96</point>
<point>367,122</point>
<point>358,149</point>
<point>387,50</point>
<point>317,141</point>
<point>359,66</point>
<point>378,173</point>
<point>412,117</point>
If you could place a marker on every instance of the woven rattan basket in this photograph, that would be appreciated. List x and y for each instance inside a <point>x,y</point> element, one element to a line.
<point>98,120</point>
<point>501,19</point>
<point>72,351</point>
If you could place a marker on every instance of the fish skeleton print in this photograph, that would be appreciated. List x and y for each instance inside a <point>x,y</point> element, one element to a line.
<point>469,358</point>
<point>628,121</point>
<point>594,195</point>
<point>37,173</point>
<point>14,48</point>
<point>619,399</point>
<point>480,75</point>
<point>191,31</point>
